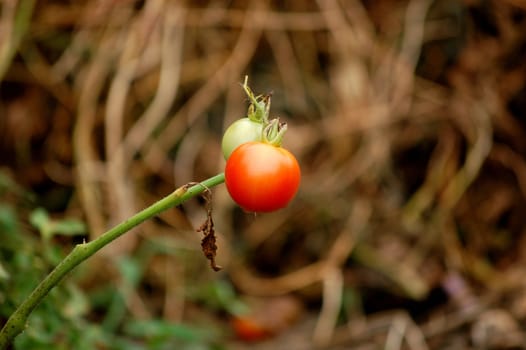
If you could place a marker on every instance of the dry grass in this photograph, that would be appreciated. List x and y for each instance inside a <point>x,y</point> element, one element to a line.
<point>407,119</point>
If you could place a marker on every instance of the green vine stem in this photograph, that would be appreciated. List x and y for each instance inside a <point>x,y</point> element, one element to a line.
<point>17,321</point>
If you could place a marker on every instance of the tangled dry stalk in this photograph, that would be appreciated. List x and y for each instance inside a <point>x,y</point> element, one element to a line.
<point>407,118</point>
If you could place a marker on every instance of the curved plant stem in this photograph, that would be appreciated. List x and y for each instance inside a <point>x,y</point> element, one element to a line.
<point>17,321</point>
<point>17,28</point>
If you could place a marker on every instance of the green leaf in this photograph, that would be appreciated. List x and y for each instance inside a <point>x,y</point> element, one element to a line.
<point>130,269</point>
<point>161,329</point>
<point>39,219</point>
<point>47,227</point>
<point>68,227</point>
<point>4,275</point>
<point>8,219</point>
<point>220,295</point>
<point>77,304</point>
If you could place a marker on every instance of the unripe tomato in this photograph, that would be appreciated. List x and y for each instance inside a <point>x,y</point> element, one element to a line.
<point>261,177</point>
<point>241,131</point>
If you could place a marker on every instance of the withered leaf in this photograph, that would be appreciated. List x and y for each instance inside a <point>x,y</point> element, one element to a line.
<point>208,243</point>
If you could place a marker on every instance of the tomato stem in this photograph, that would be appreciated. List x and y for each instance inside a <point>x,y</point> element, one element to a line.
<point>18,319</point>
<point>259,107</point>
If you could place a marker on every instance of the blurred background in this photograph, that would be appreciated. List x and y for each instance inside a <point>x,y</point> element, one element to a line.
<point>407,118</point>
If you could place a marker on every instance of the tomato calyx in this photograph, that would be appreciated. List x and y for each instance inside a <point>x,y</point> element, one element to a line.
<point>259,108</point>
<point>273,132</point>
<point>258,111</point>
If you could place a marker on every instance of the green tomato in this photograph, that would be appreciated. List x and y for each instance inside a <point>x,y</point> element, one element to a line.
<point>239,132</point>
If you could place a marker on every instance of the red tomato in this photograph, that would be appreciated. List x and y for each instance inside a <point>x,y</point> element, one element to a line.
<point>261,177</point>
<point>248,329</point>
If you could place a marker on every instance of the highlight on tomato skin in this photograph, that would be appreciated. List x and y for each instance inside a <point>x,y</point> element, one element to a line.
<point>261,177</point>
